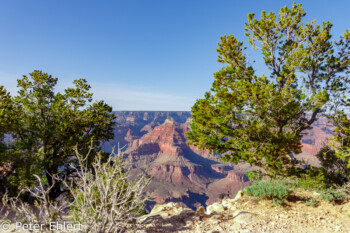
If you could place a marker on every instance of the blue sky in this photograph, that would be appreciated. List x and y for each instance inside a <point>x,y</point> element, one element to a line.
<point>137,55</point>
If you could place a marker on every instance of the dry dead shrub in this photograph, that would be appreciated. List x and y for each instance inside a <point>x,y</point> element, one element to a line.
<point>43,212</point>
<point>4,208</point>
<point>105,200</point>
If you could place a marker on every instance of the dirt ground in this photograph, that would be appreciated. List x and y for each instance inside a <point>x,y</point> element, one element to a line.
<point>249,215</point>
<point>244,214</point>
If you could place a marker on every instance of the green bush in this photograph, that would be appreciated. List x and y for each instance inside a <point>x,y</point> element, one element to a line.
<point>336,170</point>
<point>312,202</point>
<point>275,190</point>
<point>334,195</point>
<point>254,175</point>
<point>312,178</point>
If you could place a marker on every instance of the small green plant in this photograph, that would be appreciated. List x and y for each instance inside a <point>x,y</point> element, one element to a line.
<point>143,212</point>
<point>277,202</point>
<point>312,202</point>
<point>334,195</point>
<point>253,175</point>
<point>274,190</point>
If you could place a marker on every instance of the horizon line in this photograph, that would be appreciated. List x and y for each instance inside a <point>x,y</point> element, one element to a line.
<point>151,111</point>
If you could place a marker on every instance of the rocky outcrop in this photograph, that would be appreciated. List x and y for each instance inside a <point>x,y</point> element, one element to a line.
<point>236,177</point>
<point>221,168</point>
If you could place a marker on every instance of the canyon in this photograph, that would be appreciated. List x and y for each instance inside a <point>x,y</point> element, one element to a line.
<point>154,143</point>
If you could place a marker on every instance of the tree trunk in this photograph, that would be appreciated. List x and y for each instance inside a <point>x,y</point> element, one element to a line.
<point>56,189</point>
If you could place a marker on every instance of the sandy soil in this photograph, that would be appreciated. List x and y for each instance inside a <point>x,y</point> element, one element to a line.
<point>249,215</point>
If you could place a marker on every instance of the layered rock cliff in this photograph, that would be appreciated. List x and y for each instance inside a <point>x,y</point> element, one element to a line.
<point>180,173</point>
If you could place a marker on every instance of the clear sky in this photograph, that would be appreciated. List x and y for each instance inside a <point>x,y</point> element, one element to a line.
<point>137,55</point>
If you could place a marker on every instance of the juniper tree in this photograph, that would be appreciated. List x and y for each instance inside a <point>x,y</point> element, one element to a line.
<point>5,108</point>
<point>45,125</point>
<point>338,156</point>
<point>260,119</point>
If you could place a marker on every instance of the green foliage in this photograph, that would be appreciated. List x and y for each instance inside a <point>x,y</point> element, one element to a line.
<point>275,190</point>
<point>337,194</point>
<point>253,175</point>
<point>332,172</point>
<point>143,212</point>
<point>312,182</point>
<point>334,195</point>
<point>335,167</point>
<point>312,178</point>
<point>261,119</point>
<point>312,202</point>
<point>341,139</point>
<point>45,126</point>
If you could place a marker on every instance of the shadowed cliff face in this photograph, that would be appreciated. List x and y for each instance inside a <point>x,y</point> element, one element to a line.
<point>156,144</point>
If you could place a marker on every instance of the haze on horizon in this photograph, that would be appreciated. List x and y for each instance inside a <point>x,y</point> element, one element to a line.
<point>137,55</point>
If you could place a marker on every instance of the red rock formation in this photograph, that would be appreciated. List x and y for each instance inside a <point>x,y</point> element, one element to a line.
<point>165,139</point>
<point>172,163</point>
